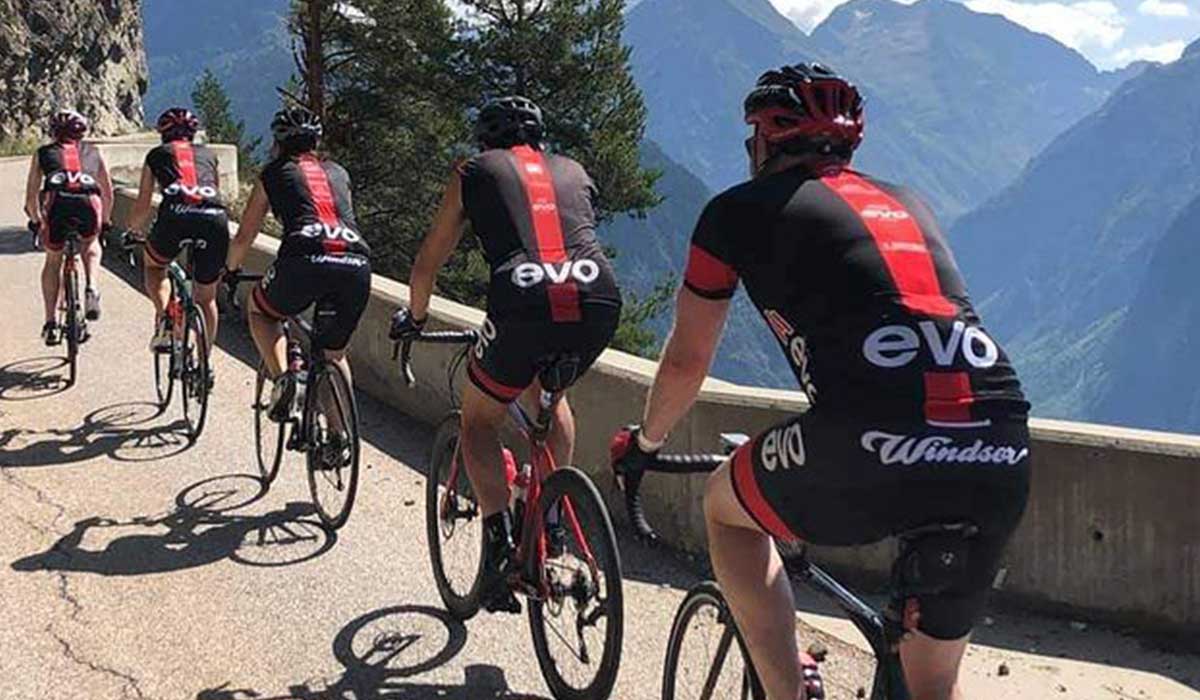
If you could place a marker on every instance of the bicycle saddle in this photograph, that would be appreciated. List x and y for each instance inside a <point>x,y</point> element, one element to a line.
<point>557,372</point>
<point>932,558</point>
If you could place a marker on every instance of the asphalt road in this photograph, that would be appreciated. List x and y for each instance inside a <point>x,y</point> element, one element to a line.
<point>135,566</point>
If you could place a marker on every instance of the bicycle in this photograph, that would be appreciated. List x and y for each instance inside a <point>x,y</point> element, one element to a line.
<point>186,361</point>
<point>71,318</point>
<point>931,558</point>
<point>327,429</point>
<point>567,554</point>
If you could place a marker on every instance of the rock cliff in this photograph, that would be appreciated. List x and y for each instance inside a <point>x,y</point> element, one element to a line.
<point>84,54</point>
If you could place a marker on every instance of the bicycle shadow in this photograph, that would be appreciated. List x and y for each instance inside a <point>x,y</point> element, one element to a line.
<point>380,651</point>
<point>121,431</point>
<point>33,378</point>
<point>202,529</point>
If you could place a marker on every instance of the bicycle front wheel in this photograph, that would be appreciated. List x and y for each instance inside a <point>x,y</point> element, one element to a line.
<point>453,524</point>
<point>578,625</point>
<point>194,374</point>
<point>331,417</point>
<point>705,660</point>
<point>269,436</point>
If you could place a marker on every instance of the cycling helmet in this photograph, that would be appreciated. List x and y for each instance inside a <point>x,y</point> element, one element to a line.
<point>68,125</point>
<point>805,107</point>
<point>176,123</point>
<point>294,124</point>
<point>509,121</point>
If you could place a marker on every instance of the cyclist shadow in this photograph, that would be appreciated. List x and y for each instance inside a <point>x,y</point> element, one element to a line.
<point>123,432</point>
<point>202,529</point>
<point>33,378</point>
<point>379,651</point>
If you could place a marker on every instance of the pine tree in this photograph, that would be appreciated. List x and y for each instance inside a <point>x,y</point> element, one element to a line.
<point>212,107</point>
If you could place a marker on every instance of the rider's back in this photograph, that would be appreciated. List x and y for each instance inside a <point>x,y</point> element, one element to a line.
<point>69,166</point>
<point>185,172</point>
<point>311,198</point>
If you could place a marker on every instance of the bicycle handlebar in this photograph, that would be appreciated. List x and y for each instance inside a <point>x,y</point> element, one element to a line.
<point>403,348</point>
<point>231,280</point>
<point>631,485</point>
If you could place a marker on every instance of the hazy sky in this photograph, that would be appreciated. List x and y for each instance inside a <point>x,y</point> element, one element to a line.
<point>1110,33</point>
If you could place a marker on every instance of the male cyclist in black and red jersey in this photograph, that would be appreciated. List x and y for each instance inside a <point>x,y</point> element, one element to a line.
<point>323,257</point>
<point>917,417</point>
<point>191,210</point>
<point>552,292</point>
<point>68,188</point>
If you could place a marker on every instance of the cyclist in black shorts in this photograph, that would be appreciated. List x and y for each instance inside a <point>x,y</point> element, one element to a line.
<point>917,416</point>
<point>191,210</point>
<point>551,292</point>
<point>68,188</point>
<point>323,257</point>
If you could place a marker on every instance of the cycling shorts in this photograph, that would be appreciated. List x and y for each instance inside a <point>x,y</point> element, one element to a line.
<point>512,352</point>
<point>839,481</point>
<point>63,212</point>
<point>340,287</point>
<point>206,226</point>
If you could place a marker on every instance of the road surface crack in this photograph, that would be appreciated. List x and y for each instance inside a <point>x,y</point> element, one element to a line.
<point>130,687</point>
<point>39,496</point>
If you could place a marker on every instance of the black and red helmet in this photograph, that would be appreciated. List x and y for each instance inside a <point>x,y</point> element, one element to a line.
<point>509,121</point>
<point>809,103</point>
<point>68,125</point>
<point>176,123</point>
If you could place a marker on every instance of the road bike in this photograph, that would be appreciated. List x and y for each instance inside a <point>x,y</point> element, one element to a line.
<point>71,318</point>
<point>567,567</point>
<point>186,361</point>
<point>326,429</point>
<point>931,559</point>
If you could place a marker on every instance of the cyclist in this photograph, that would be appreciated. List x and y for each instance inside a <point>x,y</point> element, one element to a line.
<point>323,256</point>
<point>191,210</point>
<point>917,416</point>
<point>68,188</point>
<point>551,293</point>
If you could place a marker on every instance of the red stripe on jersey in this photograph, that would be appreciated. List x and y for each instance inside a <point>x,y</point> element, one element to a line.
<point>547,230</point>
<point>71,164</point>
<point>708,274</point>
<point>322,199</point>
<point>745,486</point>
<point>185,161</point>
<point>948,397</point>
<point>900,241</point>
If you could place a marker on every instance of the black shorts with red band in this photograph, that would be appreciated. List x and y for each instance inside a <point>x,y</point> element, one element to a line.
<point>841,481</point>
<point>64,212</point>
<point>512,351</point>
<point>207,226</point>
<point>339,286</point>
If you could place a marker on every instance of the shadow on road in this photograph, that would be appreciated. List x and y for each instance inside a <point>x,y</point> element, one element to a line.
<point>203,528</point>
<point>16,241</point>
<point>124,432</point>
<point>380,651</point>
<point>34,378</point>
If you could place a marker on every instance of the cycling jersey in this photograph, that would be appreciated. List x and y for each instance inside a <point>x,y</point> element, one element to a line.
<point>856,281</point>
<point>311,198</point>
<point>70,166</point>
<point>533,215</point>
<point>186,173</point>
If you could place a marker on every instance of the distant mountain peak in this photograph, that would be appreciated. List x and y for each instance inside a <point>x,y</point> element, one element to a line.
<point>1193,49</point>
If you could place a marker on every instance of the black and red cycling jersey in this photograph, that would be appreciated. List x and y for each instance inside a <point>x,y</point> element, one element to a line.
<point>859,287</point>
<point>311,198</point>
<point>186,173</point>
<point>533,213</point>
<point>70,166</point>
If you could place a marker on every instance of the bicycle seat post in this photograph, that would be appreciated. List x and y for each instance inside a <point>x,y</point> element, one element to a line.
<point>545,416</point>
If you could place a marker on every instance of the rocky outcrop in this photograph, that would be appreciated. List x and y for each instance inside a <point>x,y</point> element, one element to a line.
<point>84,54</point>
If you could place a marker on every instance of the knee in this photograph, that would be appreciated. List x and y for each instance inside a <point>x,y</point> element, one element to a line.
<point>713,496</point>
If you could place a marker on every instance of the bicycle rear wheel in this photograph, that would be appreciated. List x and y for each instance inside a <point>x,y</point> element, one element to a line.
<point>577,628</point>
<point>165,370</point>
<point>331,417</point>
<point>453,524</point>
<point>193,374</point>
<point>705,660</point>
<point>70,324</point>
<point>269,436</point>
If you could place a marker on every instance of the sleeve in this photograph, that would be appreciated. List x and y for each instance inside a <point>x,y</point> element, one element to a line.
<point>710,269</point>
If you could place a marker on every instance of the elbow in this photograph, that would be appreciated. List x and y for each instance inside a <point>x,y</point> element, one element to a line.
<point>685,364</point>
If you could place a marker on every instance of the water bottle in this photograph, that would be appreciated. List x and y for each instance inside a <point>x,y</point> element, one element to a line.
<point>296,366</point>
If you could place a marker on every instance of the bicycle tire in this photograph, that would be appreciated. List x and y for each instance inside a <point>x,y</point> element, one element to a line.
<point>573,488</point>
<point>707,594</point>
<point>193,374</point>
<point>71,326</point>
<point>165,369</point>
<point>266,431</point>
<point>330,374</point>
<point>465,604</point>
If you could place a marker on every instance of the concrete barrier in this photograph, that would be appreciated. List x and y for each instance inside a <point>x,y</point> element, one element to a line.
<point>1112,531</point>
